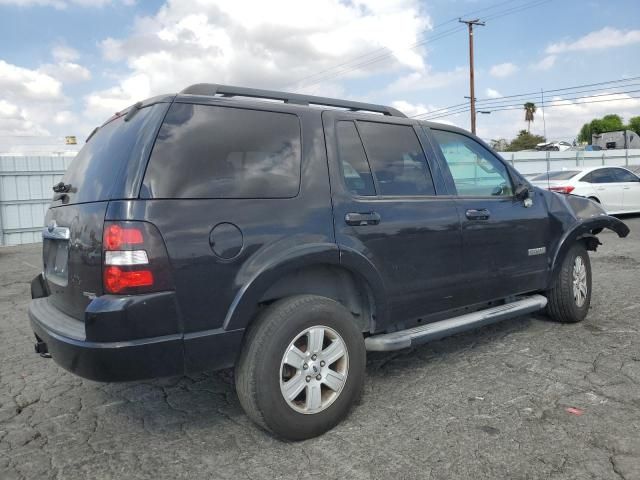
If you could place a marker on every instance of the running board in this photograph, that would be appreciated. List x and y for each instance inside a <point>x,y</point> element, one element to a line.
<point>451,326</point>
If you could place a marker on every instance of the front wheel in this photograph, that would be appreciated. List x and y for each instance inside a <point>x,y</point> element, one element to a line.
<point>302,367</point>
<point>570,296</point>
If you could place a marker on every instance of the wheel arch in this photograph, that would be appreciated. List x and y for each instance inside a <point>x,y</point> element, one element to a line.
<point>313,270</point>
<point>582,232</point>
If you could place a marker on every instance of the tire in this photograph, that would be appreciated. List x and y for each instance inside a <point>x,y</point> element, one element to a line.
<point>262,374</point>
<point>566,304</point>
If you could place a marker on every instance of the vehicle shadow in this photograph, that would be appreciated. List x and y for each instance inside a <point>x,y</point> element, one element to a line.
<point>195,404</point>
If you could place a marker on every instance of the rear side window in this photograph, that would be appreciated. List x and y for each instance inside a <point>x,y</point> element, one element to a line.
<point>355,169</point>
<point>205,151</point>
<point>624,176</point>
<point>95,174</point>
<point>604,175</point>
<point>397,159</point>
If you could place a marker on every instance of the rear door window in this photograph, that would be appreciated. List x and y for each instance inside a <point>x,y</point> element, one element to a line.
<point>353,161</point>
<point>603,175</point>
<point>624,176</point>
<point>205,151</point>
<point>397,159</point>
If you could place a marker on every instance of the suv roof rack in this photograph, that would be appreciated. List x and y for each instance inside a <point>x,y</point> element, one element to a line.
<point>211,89</point>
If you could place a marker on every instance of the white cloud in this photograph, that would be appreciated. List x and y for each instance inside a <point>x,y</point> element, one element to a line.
<point>503,70</point>
<point>491,93</point>
<point>28,100</point>
<point>64,117</point>
<point>601,39</point>
<point>546,63</point>
<point>427,80</point>
<point>31,84</point>
<point>411,109</point>
<point>67,72</point>
<point>61,4</point>
<point>258,44</point>
<point>63,53</point>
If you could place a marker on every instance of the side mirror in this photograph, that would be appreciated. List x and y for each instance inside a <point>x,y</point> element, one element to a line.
<point>522,192</point>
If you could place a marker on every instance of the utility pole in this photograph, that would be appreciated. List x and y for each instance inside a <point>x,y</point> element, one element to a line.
<point>472,95</point>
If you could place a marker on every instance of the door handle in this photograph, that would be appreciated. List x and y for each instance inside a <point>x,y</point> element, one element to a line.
<point>627,188</point>
<point>481,214</point>
<point>362,219</point>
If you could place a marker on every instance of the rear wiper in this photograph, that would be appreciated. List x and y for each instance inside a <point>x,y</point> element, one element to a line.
<point>61,187</point>
<point>93,132</point>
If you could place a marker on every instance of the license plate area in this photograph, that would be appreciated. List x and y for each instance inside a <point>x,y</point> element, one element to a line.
<point>56,261</point>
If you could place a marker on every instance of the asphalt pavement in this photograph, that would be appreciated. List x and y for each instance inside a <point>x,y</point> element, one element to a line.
<point>524,399</point>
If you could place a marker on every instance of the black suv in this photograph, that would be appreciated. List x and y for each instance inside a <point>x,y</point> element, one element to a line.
<point>285,235</point>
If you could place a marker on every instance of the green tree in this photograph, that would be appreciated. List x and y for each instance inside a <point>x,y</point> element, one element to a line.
<point>585,134</point>
<point>634,124</point>
<point>608,123</point>
<point>524,141</point>
<point>529,113</point>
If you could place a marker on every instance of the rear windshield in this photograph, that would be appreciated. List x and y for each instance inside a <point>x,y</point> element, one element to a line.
<point>206,151</point>
<point>560,175</point>
<point>96,172</point>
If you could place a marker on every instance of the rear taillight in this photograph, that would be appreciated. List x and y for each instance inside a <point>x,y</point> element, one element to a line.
<point>134,259</point>
<point>567,189</point>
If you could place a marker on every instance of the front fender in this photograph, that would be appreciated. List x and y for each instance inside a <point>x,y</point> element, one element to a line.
<point>574,218</point>
<point>582,229</point>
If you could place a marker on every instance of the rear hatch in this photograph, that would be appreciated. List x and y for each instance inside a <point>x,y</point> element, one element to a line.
<point>109,166</point>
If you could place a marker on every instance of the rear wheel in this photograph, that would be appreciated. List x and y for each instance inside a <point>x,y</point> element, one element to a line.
<point>570,297</point>
<point>302,367</point>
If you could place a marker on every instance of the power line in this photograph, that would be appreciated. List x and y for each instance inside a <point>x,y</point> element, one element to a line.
<point>489,101</point>
<point>386,50</point>
<point>363,63</point>
<point>496,107</point>
<point>553,103</point>
<point>507,104</point>
<point>379,58</point>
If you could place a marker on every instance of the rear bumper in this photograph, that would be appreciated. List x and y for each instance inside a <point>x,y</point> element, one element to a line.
<point>125,338</point>
<point>138,359</point>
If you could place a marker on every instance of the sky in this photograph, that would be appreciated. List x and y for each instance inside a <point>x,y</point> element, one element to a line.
<point>67,65</point>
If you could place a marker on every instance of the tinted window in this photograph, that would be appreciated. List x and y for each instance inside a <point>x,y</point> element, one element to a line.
<point>355,168</point>
<point>624,176</point>
<point>475,171</point>
<point>559,175</point>
<point>96,171</point>
<point>604,175</point>
<point>397,159</point>
<point>205,151</point>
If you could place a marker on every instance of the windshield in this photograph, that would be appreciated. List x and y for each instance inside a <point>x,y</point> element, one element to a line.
<point>559,175</point>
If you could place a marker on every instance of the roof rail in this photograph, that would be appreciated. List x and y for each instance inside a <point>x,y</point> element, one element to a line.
<point>211,89</point>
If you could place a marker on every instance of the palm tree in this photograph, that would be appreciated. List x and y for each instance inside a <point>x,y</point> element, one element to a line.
<point>529,111</point>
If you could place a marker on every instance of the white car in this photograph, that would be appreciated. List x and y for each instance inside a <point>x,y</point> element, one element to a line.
<point>553,146</point>
<point>615,188</point>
